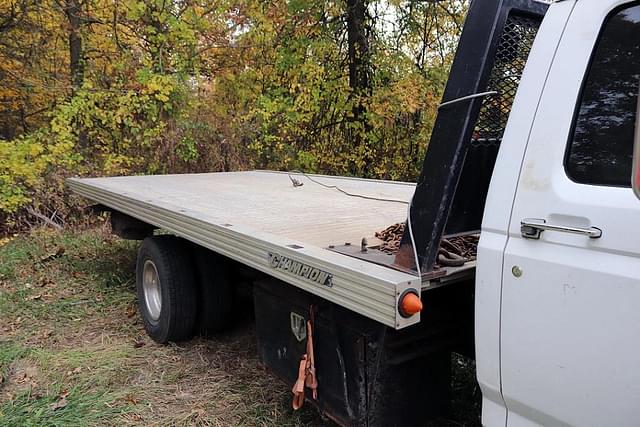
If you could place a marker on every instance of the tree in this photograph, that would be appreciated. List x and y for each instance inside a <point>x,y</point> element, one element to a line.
<point>103,87</point>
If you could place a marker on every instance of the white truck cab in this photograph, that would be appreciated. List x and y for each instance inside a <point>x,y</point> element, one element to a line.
<point>558,275</point>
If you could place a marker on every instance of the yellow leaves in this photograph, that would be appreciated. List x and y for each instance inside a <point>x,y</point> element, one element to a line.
<point>117,164</point>
<point>30,61</point>
<point>134,9</point>
<point>34,149</point>
<point>162,97</point>
<point>160,86</point>
<point>5,240</point>
<point>23,163</point>
<point>20,157</point>
<point>19,167</point>
<point>405,96</point>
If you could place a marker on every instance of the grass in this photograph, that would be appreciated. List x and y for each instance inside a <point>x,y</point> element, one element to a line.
<point>82,408</point>
<point>9,352</point>
<point>73,351</point>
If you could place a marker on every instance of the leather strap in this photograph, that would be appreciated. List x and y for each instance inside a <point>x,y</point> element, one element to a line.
<point>306,370</point>
<point>298,387</point>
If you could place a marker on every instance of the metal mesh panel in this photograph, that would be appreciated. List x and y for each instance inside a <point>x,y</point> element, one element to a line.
<point>511,56</point>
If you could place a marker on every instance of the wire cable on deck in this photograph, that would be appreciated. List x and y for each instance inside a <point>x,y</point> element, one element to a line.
<point>297,183</point>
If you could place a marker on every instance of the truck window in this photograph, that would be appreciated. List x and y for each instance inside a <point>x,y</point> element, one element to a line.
<point>600,151</point>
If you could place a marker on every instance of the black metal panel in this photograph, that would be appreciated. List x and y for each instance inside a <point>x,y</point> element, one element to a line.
<point>368,374</point>
<point>452,188</point>
<point>339,352</point>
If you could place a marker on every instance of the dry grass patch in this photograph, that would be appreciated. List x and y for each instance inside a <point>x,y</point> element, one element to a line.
<point>73,352</point>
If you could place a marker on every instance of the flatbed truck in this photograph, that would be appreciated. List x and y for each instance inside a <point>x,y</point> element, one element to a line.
<point>535,149</point>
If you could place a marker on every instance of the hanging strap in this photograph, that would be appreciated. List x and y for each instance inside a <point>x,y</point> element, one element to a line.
<point>298,387</point>
<point>306,369</point>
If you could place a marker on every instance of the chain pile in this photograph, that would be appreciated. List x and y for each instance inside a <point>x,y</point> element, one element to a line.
<point>391,237</point>
<point>465,246</point>
<point>453,252</point>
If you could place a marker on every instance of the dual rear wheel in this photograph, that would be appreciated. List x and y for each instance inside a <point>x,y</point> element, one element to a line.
<point>182,289</point>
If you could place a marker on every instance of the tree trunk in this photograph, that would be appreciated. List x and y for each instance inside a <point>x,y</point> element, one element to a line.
<point>359,70</point>
<point>76,66</point>
<point>73,10</point>
<point>358,46</point>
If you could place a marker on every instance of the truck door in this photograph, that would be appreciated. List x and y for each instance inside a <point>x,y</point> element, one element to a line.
<point>570,316</point>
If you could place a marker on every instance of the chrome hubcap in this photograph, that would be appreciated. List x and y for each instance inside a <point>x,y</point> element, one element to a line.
<point>151,288</point>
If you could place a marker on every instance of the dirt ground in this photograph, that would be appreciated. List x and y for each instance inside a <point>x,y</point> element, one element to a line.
<point>73,351</point>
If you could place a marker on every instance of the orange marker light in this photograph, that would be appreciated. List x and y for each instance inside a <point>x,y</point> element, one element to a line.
<point>409,304</point>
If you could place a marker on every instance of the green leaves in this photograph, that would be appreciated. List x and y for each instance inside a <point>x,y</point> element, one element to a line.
<point>195,87</point>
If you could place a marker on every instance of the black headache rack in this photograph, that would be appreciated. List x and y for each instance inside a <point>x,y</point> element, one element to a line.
<point>451,192</point>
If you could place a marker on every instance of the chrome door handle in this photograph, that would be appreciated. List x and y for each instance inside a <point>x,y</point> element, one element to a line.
<point>531,228</point>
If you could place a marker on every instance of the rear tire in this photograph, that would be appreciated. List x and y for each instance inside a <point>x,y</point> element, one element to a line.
<point>166,287</point>
<point>216,292</point>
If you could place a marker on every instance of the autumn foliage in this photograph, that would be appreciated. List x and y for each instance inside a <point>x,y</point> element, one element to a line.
<point>112,87</point>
